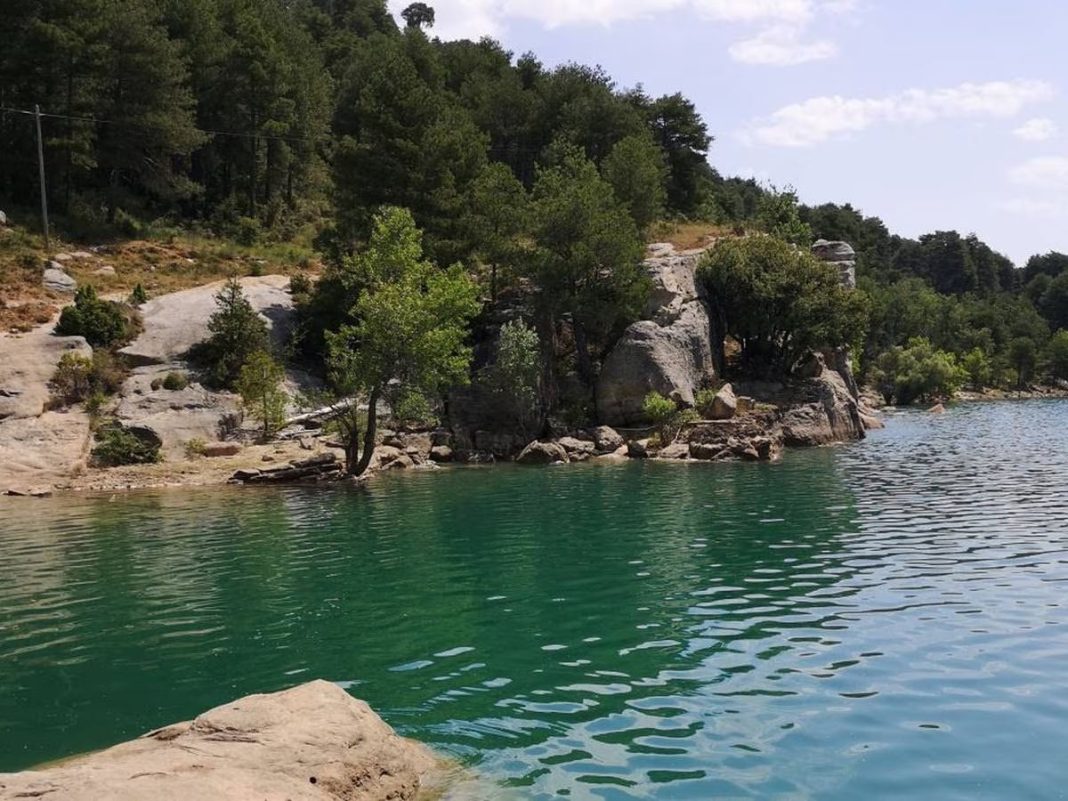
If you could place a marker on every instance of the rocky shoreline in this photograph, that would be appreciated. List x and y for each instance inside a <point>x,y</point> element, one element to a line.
<point>314,742</point>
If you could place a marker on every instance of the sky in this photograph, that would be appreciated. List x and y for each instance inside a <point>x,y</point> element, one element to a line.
<point>931,114</point>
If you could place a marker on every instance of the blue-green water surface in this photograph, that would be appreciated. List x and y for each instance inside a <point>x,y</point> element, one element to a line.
<point>880,621</point>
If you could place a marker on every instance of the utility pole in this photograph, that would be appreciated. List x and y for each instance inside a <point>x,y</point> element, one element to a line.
<point>41,172</point>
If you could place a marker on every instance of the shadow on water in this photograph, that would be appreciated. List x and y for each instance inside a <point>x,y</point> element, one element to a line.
<point>601,631</point>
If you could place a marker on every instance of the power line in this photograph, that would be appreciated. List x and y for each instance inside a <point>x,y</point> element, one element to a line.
<point>210,132</point>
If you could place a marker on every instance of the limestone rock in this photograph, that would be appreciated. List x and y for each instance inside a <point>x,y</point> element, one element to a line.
<point>674,360</point>
<point>3,217</point>
<point>676,451</point>
<point>176,416</point>
<point>576,447</point>
<point>311,743</point>
<point>55,279</point>
<point>441,454</point>
<point>606,439</point>
<point>842,255</point>
<point>831,414</point>
<point>707,451</point>
<point>872,422</point>
<point>725,404</point>
<point>638,449</point>
<point>107,269</point>
<point>174,323</point>
<point>542,453</point>
<point>669,352</point>
<point>938,408</point>
<point>417,444</point>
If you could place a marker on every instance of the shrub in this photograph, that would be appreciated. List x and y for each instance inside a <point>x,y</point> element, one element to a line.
<point>73,380</point>
<point>917,372</point>
<point>1058,355</point>
<point>512,383</point>
<point>115,446</point>
<point>260,386</point>
<point>138,296</point>
<point>78,378</point>
<point>976,366</point>
<point>412,408</point>
<point>174,381</point>
<point>704,400</point>
<point>300,284</point>
<point>103,323</point>
<point>195,447</point>
<point>248,231</point>
<point>237,332</point>
<point>666,416</point>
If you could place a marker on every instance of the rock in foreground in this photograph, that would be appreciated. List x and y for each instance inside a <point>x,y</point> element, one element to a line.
<point>312,743</point>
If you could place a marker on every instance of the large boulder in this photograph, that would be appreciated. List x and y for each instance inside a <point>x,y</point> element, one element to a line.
<point>828,414</point>
<point>174,323</point>
<point>311,743</point>
<point>56,279</point>
<point>674,360</point>
<point>606,439</point>
<point>725,404</point>
<point>670,352</point>
<point>542,453</point>
<point>842,255</point>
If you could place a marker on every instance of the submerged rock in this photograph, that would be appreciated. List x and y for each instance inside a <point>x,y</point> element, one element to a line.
<point>311,743</point>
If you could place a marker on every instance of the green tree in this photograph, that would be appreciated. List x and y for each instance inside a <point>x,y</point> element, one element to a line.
<point>918,371</point>
<point>683,136</point>
<point>778,302</point>
<point>1058,355</point>
<point>411,324</point>
<point>1023,358</point>
<point>260,386</point>
<point>512,383</point>
<point>635,170</point>
<point>977,367</point>
<point>498,215</point>
<point>103,323</point>
<point>586,255</point>
<point>778,214</point>
<point>418,15</point>
<point>237,332</point>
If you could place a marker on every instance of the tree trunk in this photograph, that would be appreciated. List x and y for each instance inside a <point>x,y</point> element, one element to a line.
<point>369,435</point>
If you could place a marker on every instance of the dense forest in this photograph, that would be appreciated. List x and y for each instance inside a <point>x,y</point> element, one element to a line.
<point>274,120</point>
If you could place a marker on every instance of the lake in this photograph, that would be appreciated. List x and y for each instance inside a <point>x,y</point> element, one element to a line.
<point>883,620</point>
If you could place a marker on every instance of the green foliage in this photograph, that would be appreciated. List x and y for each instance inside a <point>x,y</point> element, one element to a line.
<point>512,383</point>
<point>636,172</point>
<point>778,215</point>
<point>703,401</point>
<point>116,446</point>
<point>175,381</point>
<point>418,15</point>
<point>81,378</point>
<point>586,254</point>
<point>260,386</point>
<point>412,409</point>
<point>237,332</point>
<point>103,323</point>
<point>1023,359</point>
<point>195,447</point>
<point>497,219</point>
<point>138,297</point>
<point>666,417</point>
<point>978,369</point>
<point>917,372</point>
<point>410,323</point>
<point>300,285</point>
<point>778,302</point>
<point>1058,355</point>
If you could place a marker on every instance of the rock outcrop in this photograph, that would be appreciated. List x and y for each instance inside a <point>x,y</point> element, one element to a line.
<point>56,279</point>
<point>174,323</point>
<point>824,410</point>
<point>842,255</point>
<point>311,743</point>
<point>543,453</point>
<point>317,468</point>
<point>670,352</point>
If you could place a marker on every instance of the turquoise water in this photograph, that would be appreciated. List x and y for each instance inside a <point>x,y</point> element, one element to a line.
<point>885,620</point>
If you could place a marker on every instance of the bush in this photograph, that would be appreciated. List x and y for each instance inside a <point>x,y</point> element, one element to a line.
<point>115,447</point>
<point>512,384</point>
<point>103,323</point>
<point>175,381</point>
<point>195,447</point>
<point>79,378</point>
<point>704,400</point>
<point>260,386</point>
<point>247,231</point>
<point>917,372</point>
<point>977,367</point>
<point>300,284</point>
<point>138,296</point>
<point>237,332</point>
<point>411,408</point>
<point>666,416</point>
<point>778,302</point>
<point>1058,355</point>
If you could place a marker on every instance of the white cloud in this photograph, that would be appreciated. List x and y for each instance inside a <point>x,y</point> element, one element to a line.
<point>1031,207</point>
<point>781,46</point>
<point>1046,172</point>
<point>820,119</point>
<point>1039,129</point>
<point>780,43</point>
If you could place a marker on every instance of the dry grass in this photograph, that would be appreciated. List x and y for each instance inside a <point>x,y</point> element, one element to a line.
<point>688,235</point>
<point>179,262</point>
